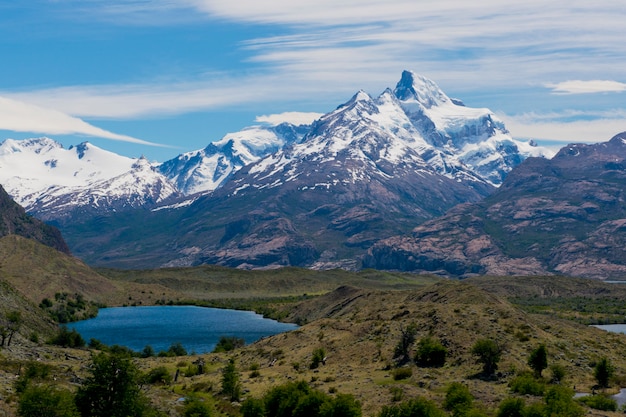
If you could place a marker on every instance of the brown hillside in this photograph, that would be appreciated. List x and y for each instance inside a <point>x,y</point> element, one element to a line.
<point>37,271</point>
<point>359,329</point>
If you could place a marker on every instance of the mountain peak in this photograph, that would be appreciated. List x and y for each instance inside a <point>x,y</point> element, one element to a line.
<point>413,86</point>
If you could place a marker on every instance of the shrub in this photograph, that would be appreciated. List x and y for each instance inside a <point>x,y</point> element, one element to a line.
<point>525,384</point>
<point>68,338</point>
<point>253,407</point>
<point>319,356</point>
<point>196,407</point>
<point>418,406</point>
<point>402,373</point>
<point>511,407</point>
<point>228,343</point>
<point>177,349</point>
<point>298,399</point>
<point>430,353</point>
<point>560,403</point>
<point>558,373</point>
<point>38,401</point>
<point>458,399</point>
<point>599,402</point>
<point>147,352</point>
<point>159,375</point>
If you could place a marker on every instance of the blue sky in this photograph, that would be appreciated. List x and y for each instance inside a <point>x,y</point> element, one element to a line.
<point>162,77</point>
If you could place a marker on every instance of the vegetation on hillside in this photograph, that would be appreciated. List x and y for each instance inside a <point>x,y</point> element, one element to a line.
<point>450,348</point>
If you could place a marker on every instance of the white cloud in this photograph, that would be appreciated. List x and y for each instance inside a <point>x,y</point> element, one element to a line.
<point>296,118</point>
<point>551,128</point>
<point>18,116</point>
<point>587,87</point>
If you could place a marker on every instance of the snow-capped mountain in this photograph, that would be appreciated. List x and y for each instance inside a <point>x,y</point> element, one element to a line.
<point>312,195</point>
<point>205,170</point>
<point>55,183</point>
<point>458,136</point>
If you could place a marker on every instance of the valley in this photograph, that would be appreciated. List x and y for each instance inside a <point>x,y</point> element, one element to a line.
<point>358,327</point>
<point>389,226</point>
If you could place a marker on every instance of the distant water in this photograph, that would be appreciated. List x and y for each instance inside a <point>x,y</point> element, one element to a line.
<point>613,328</point>
<point>198,329</point>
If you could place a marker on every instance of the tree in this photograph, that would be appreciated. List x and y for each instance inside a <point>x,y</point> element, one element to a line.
<point>14,319</point>
<point>489,354</point>
<point>9,326</point>
<point>430,353</point>
<point>538,360</point>
<point>230,381</point>
<point>112,389</point>
<point>603,372</point>
<point>401,353</point>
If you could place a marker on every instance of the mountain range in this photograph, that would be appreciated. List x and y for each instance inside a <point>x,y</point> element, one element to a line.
<point>316,195</point>
<point>564,215</point>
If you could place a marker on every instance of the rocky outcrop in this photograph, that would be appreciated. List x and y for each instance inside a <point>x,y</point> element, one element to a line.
<point>566,216</point>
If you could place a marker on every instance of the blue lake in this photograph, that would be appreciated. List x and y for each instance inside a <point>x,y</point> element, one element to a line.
<point>198,329</point>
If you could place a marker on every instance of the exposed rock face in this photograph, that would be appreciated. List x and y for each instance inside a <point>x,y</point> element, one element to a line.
<point>15,221</point>
<point>566,215</point>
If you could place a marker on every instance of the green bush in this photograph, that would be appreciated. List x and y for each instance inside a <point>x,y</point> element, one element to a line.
<point>228,343</point>
<point>45,401</point>
<point>319,356</point>
<point>415,407</point>
<point>68,338</point>
<point>558,373</point>
<point>430,353</point>
<point>526,384</point>
<point>560,402</point>
<point>401,373</point>
<point>159,375</point>
<point>458,399</point>
<point>511,407</point>
<point>196,407</point>
<point>599,402</point>
<point>297,399</point>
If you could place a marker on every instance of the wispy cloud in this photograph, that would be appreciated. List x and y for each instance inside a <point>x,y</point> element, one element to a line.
<point>330,49</point>
<point>563,127</point>
<point>587,87</point>
<point>296,118</point>
<point>22,117</point>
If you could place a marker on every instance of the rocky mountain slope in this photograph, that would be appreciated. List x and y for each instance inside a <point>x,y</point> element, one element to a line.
<point>315,195</point>
<point>15,221</point>
<point>372,168</point>
<point>205,170</point>
<point>566,215</point>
